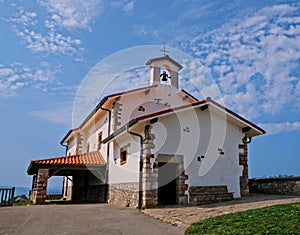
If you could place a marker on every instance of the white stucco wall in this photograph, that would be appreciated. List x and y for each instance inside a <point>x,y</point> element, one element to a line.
<point>201,133</point>
<point>72,147</point>
<point>128,172</point>
<point>93,131</point>
<point>167,95</point>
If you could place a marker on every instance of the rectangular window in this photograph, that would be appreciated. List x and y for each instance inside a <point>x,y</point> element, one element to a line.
<point>123,157</point>
<point>99,140</point>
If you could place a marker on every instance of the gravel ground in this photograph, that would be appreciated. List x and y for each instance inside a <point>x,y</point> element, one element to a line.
<point>183,217</point>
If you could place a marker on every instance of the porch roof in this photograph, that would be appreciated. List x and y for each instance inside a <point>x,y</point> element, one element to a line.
<point>78,161</point>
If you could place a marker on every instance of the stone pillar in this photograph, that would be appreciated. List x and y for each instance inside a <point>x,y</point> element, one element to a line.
<point>149,175</point>
<point>40,190</point>
<point>116,115</point>
<point>243,161</point>
<point>34,183</point>
<point>182,199</point>
<point>149,184</point>
<point>79,143</point>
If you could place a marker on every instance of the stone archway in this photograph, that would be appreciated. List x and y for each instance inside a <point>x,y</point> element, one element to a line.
<point>174,165</point>
<point>152,180</point>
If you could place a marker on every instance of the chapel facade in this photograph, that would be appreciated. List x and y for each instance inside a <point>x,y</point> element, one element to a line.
<point>155,145</point>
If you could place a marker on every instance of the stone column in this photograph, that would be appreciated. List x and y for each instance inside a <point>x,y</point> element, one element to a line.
<point>40,190</point>
<point>116,115</point>
<point>149,175</point>
<point>79,143</point>
<point>243,161</point>
<point>33,187</point>
<point>182,199</point>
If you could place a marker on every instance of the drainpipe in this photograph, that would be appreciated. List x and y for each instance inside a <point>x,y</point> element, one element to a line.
<point>63,186</point>
<point>247,140</point>
<point>66,146</point>
<point>107,153</point>
<point>141,165</point>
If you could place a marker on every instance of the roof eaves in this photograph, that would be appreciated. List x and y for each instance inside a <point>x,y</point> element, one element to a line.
<point>149,116</point>
<point>99,105</point>
<point>235,115</point>
<point>102,102</point>
<point>67,135</point>
<point>166,57</point>
<point>188,94</point>
<point>119,131</point>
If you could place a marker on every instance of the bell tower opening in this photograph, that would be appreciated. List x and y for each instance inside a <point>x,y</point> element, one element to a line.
<point>164,70</point>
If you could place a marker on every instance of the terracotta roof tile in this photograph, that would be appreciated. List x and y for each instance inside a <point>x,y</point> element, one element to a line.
<point>91,158</point>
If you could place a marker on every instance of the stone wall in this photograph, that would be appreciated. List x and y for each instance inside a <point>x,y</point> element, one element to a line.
<point>124,194</point>
<point>281,186</point>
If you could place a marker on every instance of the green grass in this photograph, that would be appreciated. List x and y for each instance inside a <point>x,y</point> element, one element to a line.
<point>25,203</point>
<point>280,219</point>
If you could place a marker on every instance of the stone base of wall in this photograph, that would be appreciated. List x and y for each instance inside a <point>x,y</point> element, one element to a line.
<point>280,186</point>
<point>124,194</point>
<point>208,194</point>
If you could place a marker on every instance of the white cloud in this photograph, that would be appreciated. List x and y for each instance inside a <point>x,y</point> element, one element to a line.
<point>275,128</point>
<point>16,76</point>
<point>252,58</point>
<point>125,5</point>
<point>28,28</point>
<point>26,18</point>
<point>71,13</point>
<point>49,43</point>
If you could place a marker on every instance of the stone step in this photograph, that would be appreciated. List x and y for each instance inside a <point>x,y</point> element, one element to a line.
<point>210,198</point>
<point>199,190</point>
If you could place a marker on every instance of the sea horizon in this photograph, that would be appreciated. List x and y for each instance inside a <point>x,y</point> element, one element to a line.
<point>25,190</point>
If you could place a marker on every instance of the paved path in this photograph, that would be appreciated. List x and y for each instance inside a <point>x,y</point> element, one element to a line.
<point>80,219</point>
<point>185,216</point>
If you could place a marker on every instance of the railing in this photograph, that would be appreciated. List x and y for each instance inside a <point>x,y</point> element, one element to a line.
<point>7,196</point>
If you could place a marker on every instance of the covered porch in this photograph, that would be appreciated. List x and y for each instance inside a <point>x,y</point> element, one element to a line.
<point>84,177</point>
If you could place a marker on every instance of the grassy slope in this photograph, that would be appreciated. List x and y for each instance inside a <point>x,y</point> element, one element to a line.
<point>280,219</point>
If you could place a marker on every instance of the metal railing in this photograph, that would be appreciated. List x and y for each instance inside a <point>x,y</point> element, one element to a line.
<point>7,196</point>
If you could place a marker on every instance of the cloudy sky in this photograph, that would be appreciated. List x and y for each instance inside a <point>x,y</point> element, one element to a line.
<point>250,48</point>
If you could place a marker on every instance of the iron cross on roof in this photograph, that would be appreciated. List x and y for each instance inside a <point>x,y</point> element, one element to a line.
<point>164,50</point>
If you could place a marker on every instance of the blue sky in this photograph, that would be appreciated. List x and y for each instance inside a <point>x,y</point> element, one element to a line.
<point>251,49</point>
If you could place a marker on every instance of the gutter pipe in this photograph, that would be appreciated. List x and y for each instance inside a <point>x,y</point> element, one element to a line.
<point>107,154</point>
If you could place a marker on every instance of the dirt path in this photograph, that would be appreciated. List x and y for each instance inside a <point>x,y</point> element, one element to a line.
<point>185,216</point>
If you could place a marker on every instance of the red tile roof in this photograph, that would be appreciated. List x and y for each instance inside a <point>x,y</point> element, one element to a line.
<point>91,158</point>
